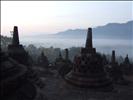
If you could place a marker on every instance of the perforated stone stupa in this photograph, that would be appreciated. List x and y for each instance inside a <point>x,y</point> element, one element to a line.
<point>16,50</point>
<point>88,71</point>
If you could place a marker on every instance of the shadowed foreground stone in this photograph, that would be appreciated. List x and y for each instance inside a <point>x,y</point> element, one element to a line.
<point>14,83</point>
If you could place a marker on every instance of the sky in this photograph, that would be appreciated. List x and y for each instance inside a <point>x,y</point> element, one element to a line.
<point>48,17</point>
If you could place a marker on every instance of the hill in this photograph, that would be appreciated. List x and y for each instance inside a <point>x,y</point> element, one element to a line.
<point>111,30</point>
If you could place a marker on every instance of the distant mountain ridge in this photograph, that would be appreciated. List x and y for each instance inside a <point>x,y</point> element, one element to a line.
<point>111,30</point>
<point>108,31</point>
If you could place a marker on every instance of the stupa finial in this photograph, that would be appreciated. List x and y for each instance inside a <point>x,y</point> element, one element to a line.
<point>89,38</point>
<point>15,40</point>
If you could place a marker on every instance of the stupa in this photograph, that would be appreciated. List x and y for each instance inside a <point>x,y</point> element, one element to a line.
<point>16,50</point>
<point>67,60</point>
<point>115,71</point>
<point>43,60</point>
<point>127,67</point>
<point>88,71</point>
<point>59,58</point>
<point>14,83</point>
<point>63,64</point>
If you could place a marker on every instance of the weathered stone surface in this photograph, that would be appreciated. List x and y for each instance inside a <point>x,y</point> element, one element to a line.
<point>88,71</point>
<point>14,83</point>
<point>16,50</point>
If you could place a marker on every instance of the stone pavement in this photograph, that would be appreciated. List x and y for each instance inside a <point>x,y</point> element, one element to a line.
<point>57,89</point>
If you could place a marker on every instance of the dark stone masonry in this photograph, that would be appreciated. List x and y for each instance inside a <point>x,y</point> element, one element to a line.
<point>88,71</point>
<point>16,50</point>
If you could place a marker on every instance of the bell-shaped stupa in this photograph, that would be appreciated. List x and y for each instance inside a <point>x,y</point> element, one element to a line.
<point>88,71</point>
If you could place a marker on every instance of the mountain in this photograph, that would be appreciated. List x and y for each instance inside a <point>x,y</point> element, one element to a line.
<point>111,30</point>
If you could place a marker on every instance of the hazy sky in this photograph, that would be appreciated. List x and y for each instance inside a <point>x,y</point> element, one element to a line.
<point>35,17</point>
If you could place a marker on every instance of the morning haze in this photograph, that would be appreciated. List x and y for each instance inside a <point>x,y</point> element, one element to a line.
<point>49,17</point>
<point>66,50</point>
<point>66,23</point>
